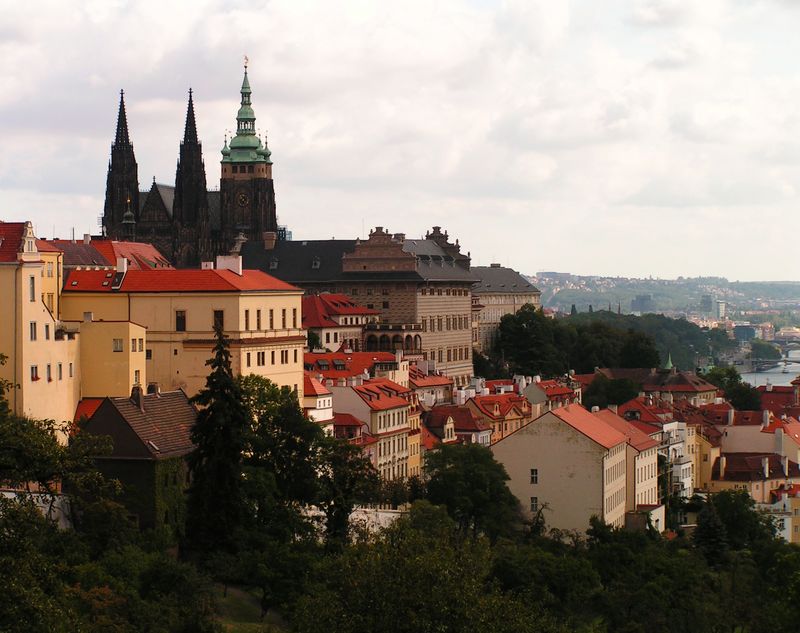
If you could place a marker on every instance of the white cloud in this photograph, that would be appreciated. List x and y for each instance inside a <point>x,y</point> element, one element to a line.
<point>547,135</point>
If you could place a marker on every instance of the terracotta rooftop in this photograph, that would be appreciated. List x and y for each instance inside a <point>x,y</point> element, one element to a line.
<point>750,467</point>
<point>506,403</point>
<point>420,379</point>
<point>166,280</point>
<point>589,425</point>
<point>312,386</point>
<point>344,365</point>
<point>638,439</point>
<point>464,420</point>
<point>11,240</point>
<point>381,394</point>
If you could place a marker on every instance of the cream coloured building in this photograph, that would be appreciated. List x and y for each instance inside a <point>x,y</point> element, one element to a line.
<point>571,465</point>
<point>179,309</point>
<point>42,360</point>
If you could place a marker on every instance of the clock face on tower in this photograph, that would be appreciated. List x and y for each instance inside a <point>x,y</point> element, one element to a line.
<point>242,199</point>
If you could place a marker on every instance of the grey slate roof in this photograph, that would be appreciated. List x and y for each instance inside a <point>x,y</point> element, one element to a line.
<point>499,279</point>
<point>80,254</point>
<point>296,262</point>
<point>167,196</point>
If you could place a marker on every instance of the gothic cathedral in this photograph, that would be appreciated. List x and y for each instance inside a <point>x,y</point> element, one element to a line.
<point>188,223</point>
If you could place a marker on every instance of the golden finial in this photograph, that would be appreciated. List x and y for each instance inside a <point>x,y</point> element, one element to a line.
<point>246,61</point>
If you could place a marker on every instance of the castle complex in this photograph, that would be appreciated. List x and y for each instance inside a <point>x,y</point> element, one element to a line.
<point>187,222</point>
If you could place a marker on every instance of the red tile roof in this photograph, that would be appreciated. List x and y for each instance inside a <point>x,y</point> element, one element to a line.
<point>464,420</point>
<point>342,365</point>
<point>44,246</point>
<point>589,425</point>
<point>750,467</point>
<point>11,240</point>
<point>165,280</point>
<point>318,309</point>
<point>507,403</point>
<point>140,255</point>
<point>381,394</point>
<point>419,379</point>
<point>638,439</point>
<point>345,419</point>
<point>313,387</point>
<point>86,408</point>
<point>554,389</point>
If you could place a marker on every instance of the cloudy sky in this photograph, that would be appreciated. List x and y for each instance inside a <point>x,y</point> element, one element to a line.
<point>622,137</point>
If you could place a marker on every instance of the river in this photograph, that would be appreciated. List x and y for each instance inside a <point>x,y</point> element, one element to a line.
<point>775,375</point>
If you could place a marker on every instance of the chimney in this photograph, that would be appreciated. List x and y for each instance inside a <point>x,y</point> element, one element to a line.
<point>269,238</point>
<point>230,262</point>
<point>614,408</point>
<point>206,265</point>
<point>731,416</point>
<point>723,462</point>
<point>769,387</point>
<point>765,466</point>
<point>122,264</point>
<point>137,397</point>
<point>153,388</point>
<point>341,382</point>
<point>87,238</point>
<point>779,441</point>
<point>785,466</point>
<point>764,418</point>
<point>494,265</point>
<point>595,409</point>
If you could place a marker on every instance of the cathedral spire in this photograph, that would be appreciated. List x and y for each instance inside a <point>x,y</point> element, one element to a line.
<point>122,122</point>
<point>190,131</point>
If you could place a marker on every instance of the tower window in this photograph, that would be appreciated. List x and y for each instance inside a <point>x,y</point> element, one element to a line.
<point>249,169</point>
<point>235,169</point>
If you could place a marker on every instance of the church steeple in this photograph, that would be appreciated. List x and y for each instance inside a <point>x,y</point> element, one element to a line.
<point>190,206</point>
<point>246,147</point>
<point>122,123</point>
<point>190,130</point>
<point>122,182</point>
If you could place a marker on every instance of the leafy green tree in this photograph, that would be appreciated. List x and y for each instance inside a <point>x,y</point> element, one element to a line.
<point>346,479</point>
<point>215,505</point>
<point>710,535</point>
<point>313,341</point>
<point>764,351</point>
<point>743,397</point>
<point>723,377</point>
<point>532,343</point>
<point>745,527</point>
<point>471,484</point>
<point>638,350</point>
<point>604,391</point>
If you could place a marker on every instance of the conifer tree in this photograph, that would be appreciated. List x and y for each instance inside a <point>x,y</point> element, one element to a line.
<point>215,505</point>
<point>710,536</point>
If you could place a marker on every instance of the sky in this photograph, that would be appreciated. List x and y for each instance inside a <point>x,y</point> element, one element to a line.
<point>631,138</point>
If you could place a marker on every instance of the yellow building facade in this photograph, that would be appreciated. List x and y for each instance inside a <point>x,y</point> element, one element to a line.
<point>42,359</point>
<point>179,308</point>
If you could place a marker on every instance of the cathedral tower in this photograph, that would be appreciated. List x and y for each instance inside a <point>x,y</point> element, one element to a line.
<point>246,186</point>
<point>122,182</point>
<point>190,208</point>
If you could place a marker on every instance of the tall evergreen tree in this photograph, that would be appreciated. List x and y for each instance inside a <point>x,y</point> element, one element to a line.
<point>215,505</point>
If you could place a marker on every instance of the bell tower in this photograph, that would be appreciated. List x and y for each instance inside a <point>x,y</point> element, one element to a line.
<point>246,186</point>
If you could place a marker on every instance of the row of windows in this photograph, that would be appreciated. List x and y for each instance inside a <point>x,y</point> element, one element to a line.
<point>452,354</point>
<point>615,499</point>
<point>390,419</point>
<point>270,317</point>
<point>118,345</point>
<point>49,372</point>
<point>440,324</point>
<point>391,472</point>
<point>261,358</point>
<point>645,472</point>
<point>389,447</point>
<point>455,292</point>
<point>244,168</point>
<point>617,470</point>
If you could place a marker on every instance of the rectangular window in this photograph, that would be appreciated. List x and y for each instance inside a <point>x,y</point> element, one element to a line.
<point>49,373</point>
<point>295,356</point>
<point>60,369</point>
<point>258,319</point>
<point>247,319</point>
<point>50,301</point>
<point>248,359</point>
<point>70,370</point>
<point>272,357</point>
<point>137,377</point>
<point>534,505</point>
<point>294,317</point>
<point>49,269</point>
<point>180,320</point>
<point>34,372</point>
<point>116,345</point>
<point>133,345</point>
<point>219,319</point>
<point>46,331</point>
<point>32,288</point>
<point>385,305</point>
<point>148,354</point>
<point>271,319</point>
<point>33,330</point>
<point>534,475</point>
<point>141,344</point>
<point>283,318</point>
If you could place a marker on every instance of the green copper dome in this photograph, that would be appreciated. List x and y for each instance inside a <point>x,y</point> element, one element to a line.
<point>245,147</point>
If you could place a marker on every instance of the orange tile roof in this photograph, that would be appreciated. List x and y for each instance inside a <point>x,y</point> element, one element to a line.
<point>589,425</point>
<point>312,386</point>
<point>166,280</point>
<point>420,379</point>
<point>140,255</point>
<point>464,420</point>
<point>553,388</point>
<point>381,395</point>
<point>46,247</point>
<point>638,439</point>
